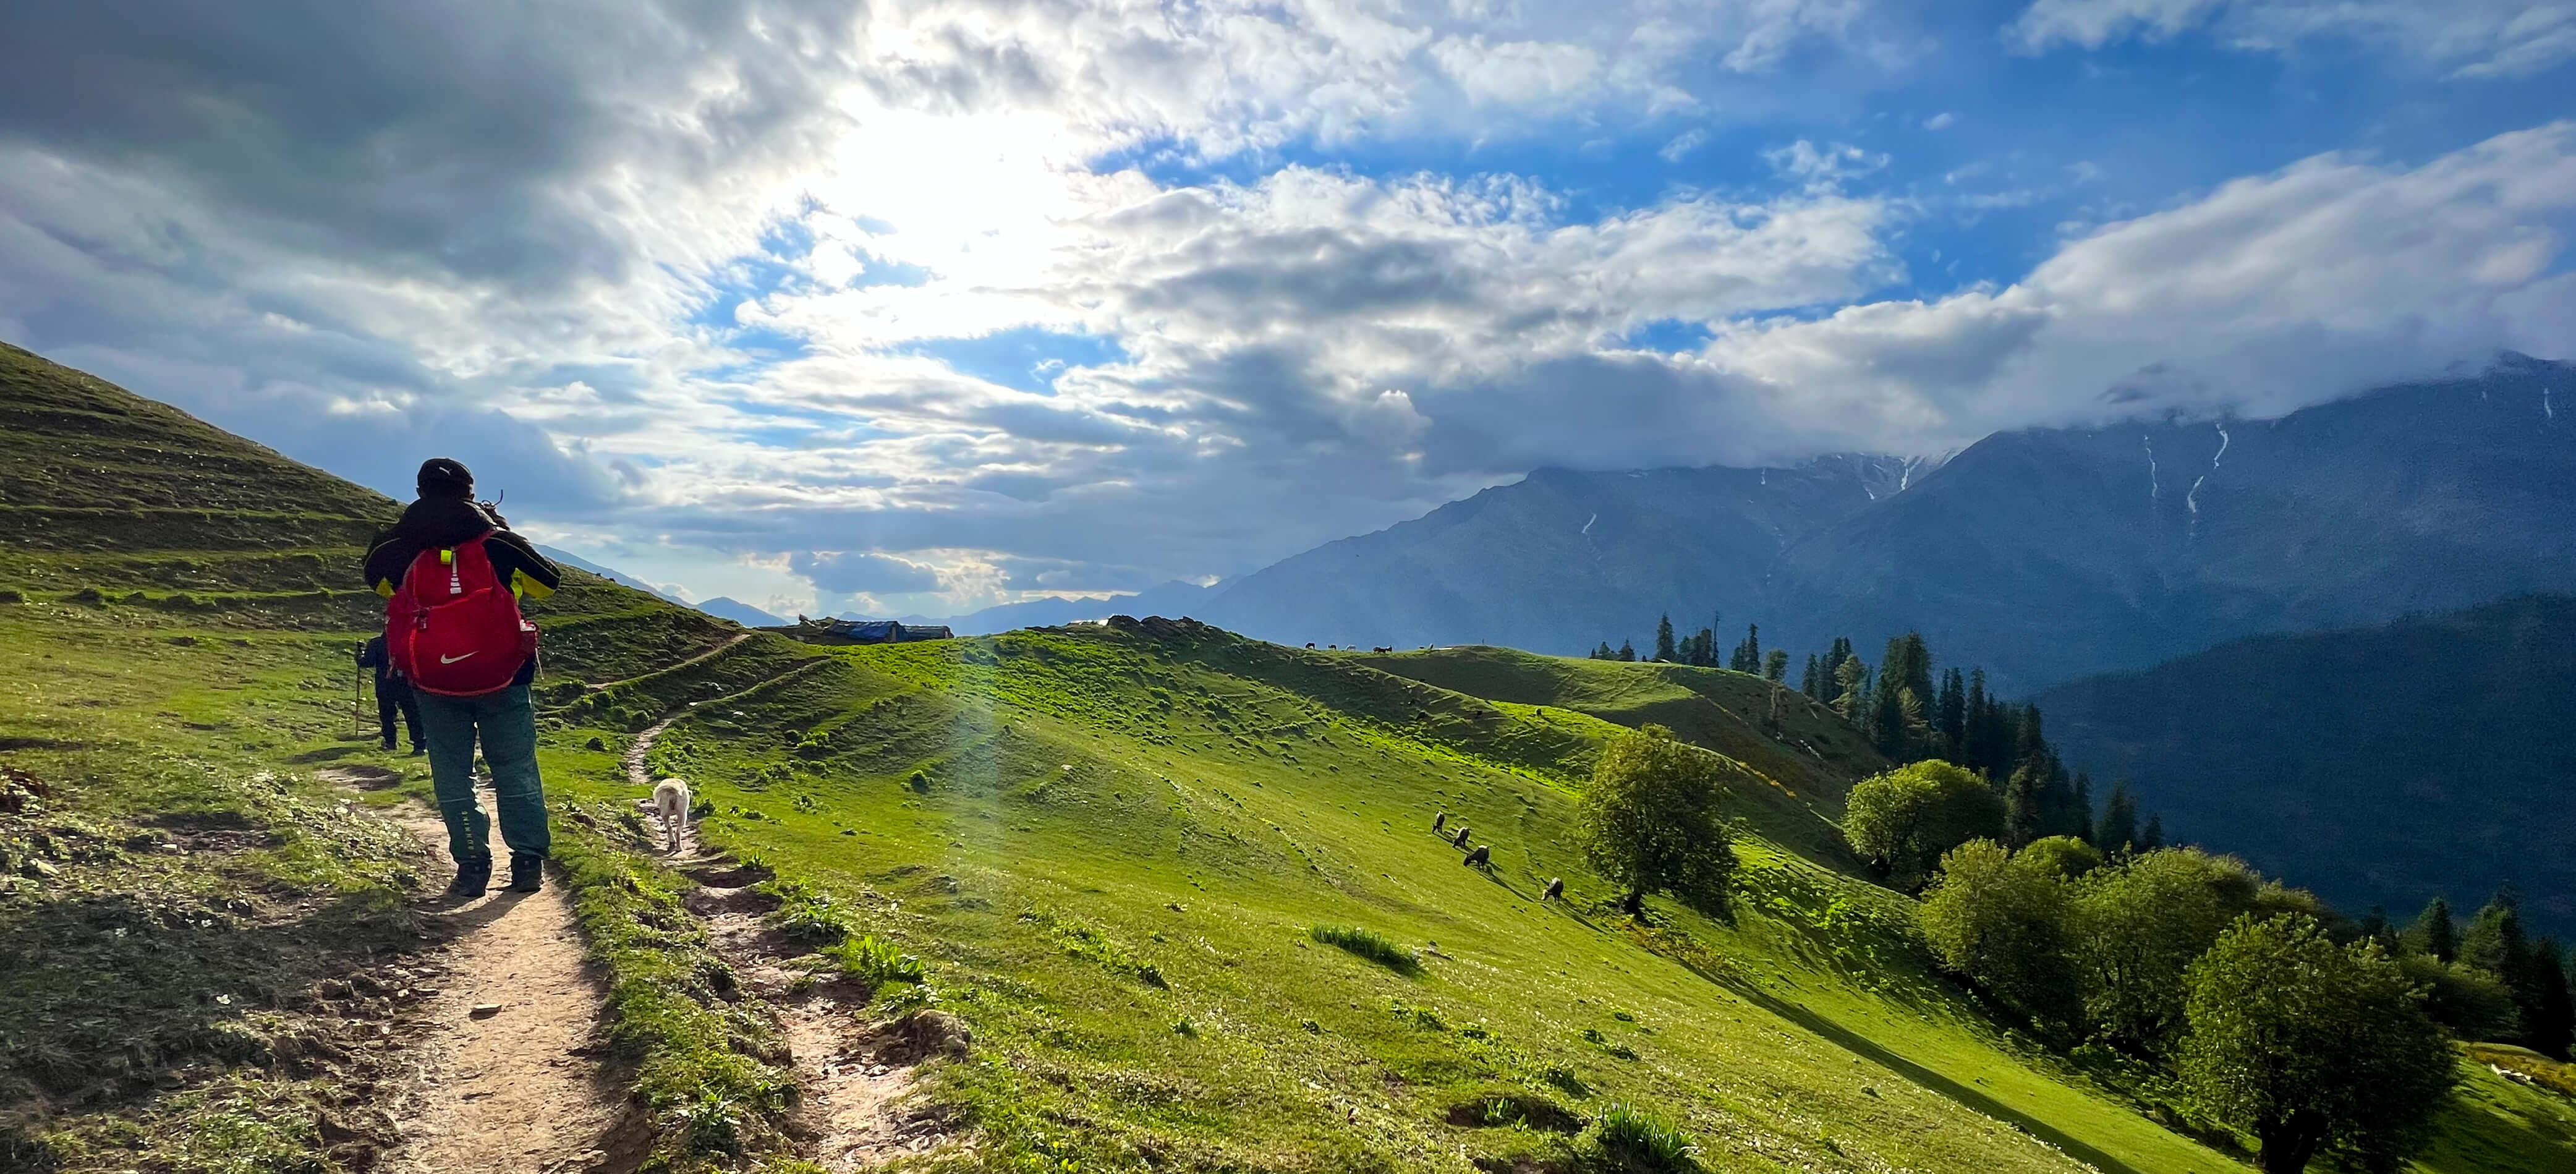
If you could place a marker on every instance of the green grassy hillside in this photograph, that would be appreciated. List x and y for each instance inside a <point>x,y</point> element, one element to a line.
<point>1109,845</point>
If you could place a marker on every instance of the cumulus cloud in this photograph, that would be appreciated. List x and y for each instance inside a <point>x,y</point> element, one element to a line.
<point>865,572</point>
<point>2270,293</point>
<point>2467,38</point>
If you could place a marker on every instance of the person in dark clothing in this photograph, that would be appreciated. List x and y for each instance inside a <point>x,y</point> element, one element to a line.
<point>504,721</point>
<point>393,693</point>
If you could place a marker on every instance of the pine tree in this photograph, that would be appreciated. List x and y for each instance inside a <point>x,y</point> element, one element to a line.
<point>2432,934</point>
<point>1748,655</point>
<point>2028,743</point>
<point>2494,941</point>
<point>1775,665</point>
<point>1952,714</point>
<point>1664,639</point>
<point>1812,681</point>
<point>1887,725</point>
<point>1976,726</point>
<point>2083,807</point>
<point>1602,651</point>
<point>1839,652</point>
<point>2154,837</point>
<point>2551,1023</point>
<point>1703,648</point>
<point>2022,807</point>
<point>2118,832</point>
<point>1627,651</point>
<point>1851,689</point>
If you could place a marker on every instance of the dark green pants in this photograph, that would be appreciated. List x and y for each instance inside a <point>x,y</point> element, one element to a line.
<point>506,723</point>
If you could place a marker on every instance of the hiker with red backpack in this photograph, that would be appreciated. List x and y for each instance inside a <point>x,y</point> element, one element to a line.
<point>453,576</point>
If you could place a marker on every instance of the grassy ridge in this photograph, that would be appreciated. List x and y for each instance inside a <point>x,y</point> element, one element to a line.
<point>1094,805</point>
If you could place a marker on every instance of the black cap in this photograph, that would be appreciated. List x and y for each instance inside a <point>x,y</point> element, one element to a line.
<point>442,477</point>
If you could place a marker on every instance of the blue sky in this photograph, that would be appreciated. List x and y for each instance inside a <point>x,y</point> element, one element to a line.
<point>921,307</point>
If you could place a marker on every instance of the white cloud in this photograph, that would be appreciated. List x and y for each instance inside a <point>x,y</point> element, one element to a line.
<point>2270,293</point>
<point>2466,38</point>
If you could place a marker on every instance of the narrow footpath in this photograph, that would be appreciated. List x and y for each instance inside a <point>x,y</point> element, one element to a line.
<point>508,1076</point>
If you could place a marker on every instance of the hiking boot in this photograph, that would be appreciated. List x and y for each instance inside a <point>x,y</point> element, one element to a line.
<point>473,876</point>
<point>527,872</point>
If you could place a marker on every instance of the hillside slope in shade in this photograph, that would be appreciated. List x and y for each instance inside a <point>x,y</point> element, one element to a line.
<point>2379,766</point>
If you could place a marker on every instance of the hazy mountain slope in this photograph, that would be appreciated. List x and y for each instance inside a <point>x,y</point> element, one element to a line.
<point>2376,765</point>
<point>2048,554</point>
<point>1558,561</point>
<point>1170,599</point>
<point>726,607</point>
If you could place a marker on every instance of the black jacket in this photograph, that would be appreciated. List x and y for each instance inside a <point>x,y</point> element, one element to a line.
<point>433,522</point>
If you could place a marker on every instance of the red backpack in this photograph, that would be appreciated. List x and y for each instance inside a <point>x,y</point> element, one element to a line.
<point>453,628</point>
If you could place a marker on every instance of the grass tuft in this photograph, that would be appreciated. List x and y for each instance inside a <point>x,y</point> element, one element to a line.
<point>872,961</point>
<point>1370,944</point>
<point>1640,1140</point>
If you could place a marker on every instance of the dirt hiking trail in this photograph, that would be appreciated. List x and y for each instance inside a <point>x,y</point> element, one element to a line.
<point>506,1078</point>
<point>858,1107</point>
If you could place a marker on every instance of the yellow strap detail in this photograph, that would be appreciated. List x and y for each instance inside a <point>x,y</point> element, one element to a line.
<point>446,556</point>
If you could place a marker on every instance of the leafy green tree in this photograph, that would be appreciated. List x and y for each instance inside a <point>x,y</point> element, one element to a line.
<point>1664,639</point>
<point>2066,856</point>
<point>1650,819</point>
<point>1999,920</point>
<point>1902,821</point>
<point>2135,928</point>
<point>1775,665</point>
<point>2312,1047</point>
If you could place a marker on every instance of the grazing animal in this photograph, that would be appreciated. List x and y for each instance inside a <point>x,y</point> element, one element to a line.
<point>1310,644</point>
<point>1461,838</point>
<point>1381,650</point>
<point>671,802</point>
<point>1555,888</point>
<point>1482,856</point>
<point>1440,821</point>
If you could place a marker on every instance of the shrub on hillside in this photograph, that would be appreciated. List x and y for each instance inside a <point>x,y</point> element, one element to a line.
<point>2134,929</point>
<point>1902,821</point>
<point>2000,921</point>
<point>1650,820</point>
<point>1369,944</point>
<point>2066,856</point>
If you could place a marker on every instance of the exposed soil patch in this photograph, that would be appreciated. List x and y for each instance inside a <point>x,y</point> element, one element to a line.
<point>504,1074</point>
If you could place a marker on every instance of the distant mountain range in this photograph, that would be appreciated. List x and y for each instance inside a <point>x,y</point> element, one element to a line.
<point>2044,555</point>
<point>2381,765</point>
<point>722,607</point>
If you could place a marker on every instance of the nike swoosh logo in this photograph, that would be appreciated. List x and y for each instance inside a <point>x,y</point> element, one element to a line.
<point>453,659</point>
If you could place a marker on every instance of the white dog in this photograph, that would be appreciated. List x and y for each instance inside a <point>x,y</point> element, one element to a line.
<point>671,802</point>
